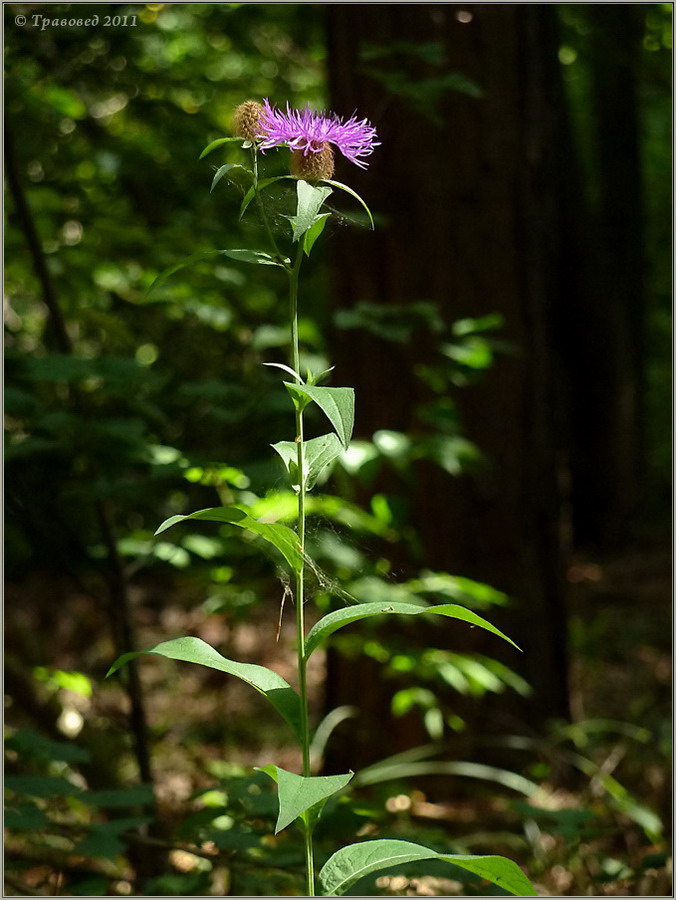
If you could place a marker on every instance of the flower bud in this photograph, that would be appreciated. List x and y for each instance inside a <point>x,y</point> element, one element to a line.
<point>245,120</point>
<point>313,165</point>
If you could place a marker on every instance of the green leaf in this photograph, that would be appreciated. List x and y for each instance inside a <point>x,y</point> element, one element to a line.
<point>287,369</point>
<point>67,681</point>
<point>25,817</point>
<point>319,453</point>
<point>355,861</point>
<point>314,231</point>
<point>281,537</point>
<point>191,649</point>
<point>337,403</point>
<point>298,794</point>
<point>310,200</point>
<point>341,617</point>
<point>30,744</point>
<point>255,256</point>
<point>103,839</point>
<point>119,798</point>
<point>188,261</point>
<point>348,190</point>
<point>44,786</point>
<point>217,143</point>
<point>224,171</point>
<point>262,185</point>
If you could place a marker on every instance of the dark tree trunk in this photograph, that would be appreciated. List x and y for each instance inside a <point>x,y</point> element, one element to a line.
<point>471,191</point>
<point>607,359</point>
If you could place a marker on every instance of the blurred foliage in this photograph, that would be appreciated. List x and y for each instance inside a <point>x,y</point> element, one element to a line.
<point>164,407</point>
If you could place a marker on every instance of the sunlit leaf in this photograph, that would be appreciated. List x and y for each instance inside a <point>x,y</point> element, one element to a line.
<point>279,536</point>
<point>314,232</point>
<point>355,861</point>
<point>337,403</point>
<point>341,617</point>
<point>318,453</point>
<point>310,200</point>
<point>298,794</point>
<point>348,190</point>
<point>255,256</point>
<point>191,649</point>
<point>217,143</point>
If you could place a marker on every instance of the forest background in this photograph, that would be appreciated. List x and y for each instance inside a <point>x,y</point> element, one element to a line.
<point>507,330</point>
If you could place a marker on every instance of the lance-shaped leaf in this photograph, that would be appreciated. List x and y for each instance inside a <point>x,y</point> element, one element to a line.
<point>250,256</point>
<point>355,861</point>
<point>318,453</point>
<point>256,256</point>
<point>336,403</point>
<point>348,190</point>
<point>262,185</point>
<point>223,170</point>
<point>279,536</point>
<point>191,649</point>
<point>188,261</point>
<point>341,617</point>
<point>217,143</point>
<point>298,794</point>
<point>310,200</point>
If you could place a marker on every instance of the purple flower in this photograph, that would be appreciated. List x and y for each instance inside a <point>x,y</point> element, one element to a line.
<point>311,132</point>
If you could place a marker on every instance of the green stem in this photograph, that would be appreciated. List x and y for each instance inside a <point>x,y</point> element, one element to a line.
<point>261,207</point>
<point>300,575</point>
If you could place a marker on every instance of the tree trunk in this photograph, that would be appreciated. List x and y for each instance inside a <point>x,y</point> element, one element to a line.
<point>606,361</point>
<point>470,189</point>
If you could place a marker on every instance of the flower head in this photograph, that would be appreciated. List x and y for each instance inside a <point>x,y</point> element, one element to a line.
<point>309,132</point>
<point>245,120</point>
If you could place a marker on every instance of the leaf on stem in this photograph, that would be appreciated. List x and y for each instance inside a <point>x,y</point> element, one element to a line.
<point>314,232</point>
<point>297,794</point>
<point>217,143</point>
<point>281,537</point>
<point>257,257</point>
<point>191,649</point>
<point>348,190</point>
<point>355,861</point>
<point>318,453</point>
<point>336,403</point>
<point>310,200</point>
<point>249,256</point>
<point>335,620</point>
<point>262,185</point>
<point>224,171</point>
<point>188,261</point>
<point>286,368</point>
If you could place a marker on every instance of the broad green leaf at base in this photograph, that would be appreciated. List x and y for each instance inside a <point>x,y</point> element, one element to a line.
<point>341,617</point>
<point>351,863</point>
<point>298,794</point>
<point>191,649</point>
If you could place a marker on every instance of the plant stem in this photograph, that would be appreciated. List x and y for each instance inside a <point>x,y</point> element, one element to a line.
<point>261,207</point>
<point>300,575</point>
